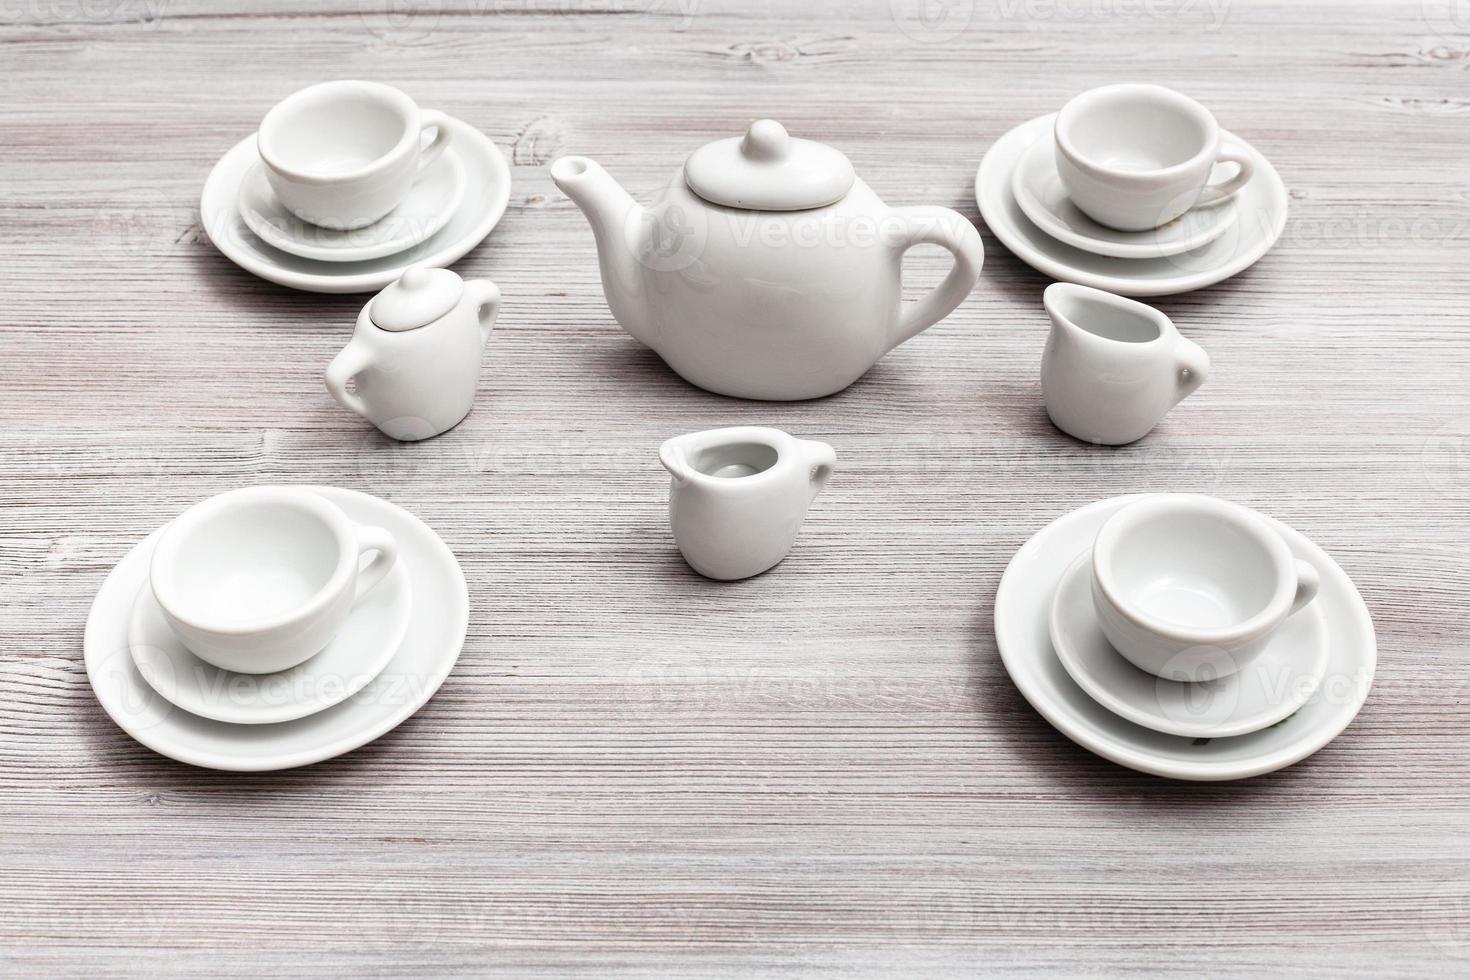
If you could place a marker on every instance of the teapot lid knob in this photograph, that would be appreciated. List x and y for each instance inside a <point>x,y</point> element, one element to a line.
<point>766,139</point>
<point>768,169</point>
<point>419,297</point>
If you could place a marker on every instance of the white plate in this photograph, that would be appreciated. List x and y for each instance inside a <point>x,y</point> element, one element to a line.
<point>436,632</point>
<point>1022,614</point>
<point>1262,207</point>
<point>358,653</point>
<point>1038,189</point>
<point>487,191</point>
<point>1268,690</point>
<point>430,204</point>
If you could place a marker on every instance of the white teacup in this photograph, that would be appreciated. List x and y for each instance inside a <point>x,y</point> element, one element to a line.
<point>343,154</point>
<point>260,579</point>
<point>1136,156</point>
<point>1113,367</point>
<point>1191,587</point>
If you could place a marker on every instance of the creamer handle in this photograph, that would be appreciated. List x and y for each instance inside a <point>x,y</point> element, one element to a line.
<point>1192,369</point>
<point>821,460</point>
<point>947,229</point>
<point>352,361</point>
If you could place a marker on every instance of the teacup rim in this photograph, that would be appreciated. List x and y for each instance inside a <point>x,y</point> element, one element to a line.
<point>171,538</point>
<point>1081,101</point>
<point>1275,610</point>
<point>401,100</point>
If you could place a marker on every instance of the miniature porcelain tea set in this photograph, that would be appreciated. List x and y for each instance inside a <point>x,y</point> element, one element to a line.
<point>339,193</point>
<point>1130,189</point>
<point>1178,634</point>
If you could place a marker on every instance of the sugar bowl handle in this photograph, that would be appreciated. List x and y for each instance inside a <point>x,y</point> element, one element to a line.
<point>485,298</point>
<point>930,225</point>
<point>352,361</point>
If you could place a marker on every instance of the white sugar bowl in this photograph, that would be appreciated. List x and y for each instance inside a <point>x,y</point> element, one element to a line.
<point>414,357</point>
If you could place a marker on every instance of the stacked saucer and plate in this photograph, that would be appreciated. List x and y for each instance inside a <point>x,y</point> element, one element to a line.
<point>1185,636</point>
<point>272,627</point>
<point>348,184</point>
<point>1134,189</point>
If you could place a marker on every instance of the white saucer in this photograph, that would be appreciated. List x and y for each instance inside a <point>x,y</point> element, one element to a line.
<point>1261,205</point>
<point>1038,189</point>
<point>1268,689</point>
<point>436,632</point>
<point>487,190</point>
<point>427,208</point>
<point>1022,633</point>
<point>357,654</point>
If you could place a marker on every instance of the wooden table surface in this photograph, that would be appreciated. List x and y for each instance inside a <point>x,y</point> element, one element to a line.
<point>823,771</point>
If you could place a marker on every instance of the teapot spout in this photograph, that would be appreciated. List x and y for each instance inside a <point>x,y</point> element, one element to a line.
<point>616,221</point>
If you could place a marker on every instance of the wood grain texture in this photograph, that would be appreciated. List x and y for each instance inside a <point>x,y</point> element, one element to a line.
<point>824,771</point>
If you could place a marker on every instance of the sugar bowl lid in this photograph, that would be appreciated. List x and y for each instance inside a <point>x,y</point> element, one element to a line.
<point>768,170</point>
<point>419,297</point>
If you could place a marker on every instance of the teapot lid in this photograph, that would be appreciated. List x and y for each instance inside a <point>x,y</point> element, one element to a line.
<point>419,297</point>
<point>768,170</point>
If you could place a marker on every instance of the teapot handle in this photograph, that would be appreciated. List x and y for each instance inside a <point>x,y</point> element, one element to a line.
<point>352,361</point>
<point>948,229</point>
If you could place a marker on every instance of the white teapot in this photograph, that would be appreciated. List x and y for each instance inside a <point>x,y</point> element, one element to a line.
<point>766,268</point>
<point>415,353</point>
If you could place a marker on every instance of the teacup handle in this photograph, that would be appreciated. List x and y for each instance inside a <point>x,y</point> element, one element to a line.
<point>1307,584</point>
<point>1220,193</point>
<point>439,123</point>
<point>933,225</point>
<point>1192,368</point>
<point>352,361</point>
<point>379,540</point>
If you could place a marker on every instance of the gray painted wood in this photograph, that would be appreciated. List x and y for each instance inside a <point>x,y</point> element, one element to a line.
<point>824,771</point>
